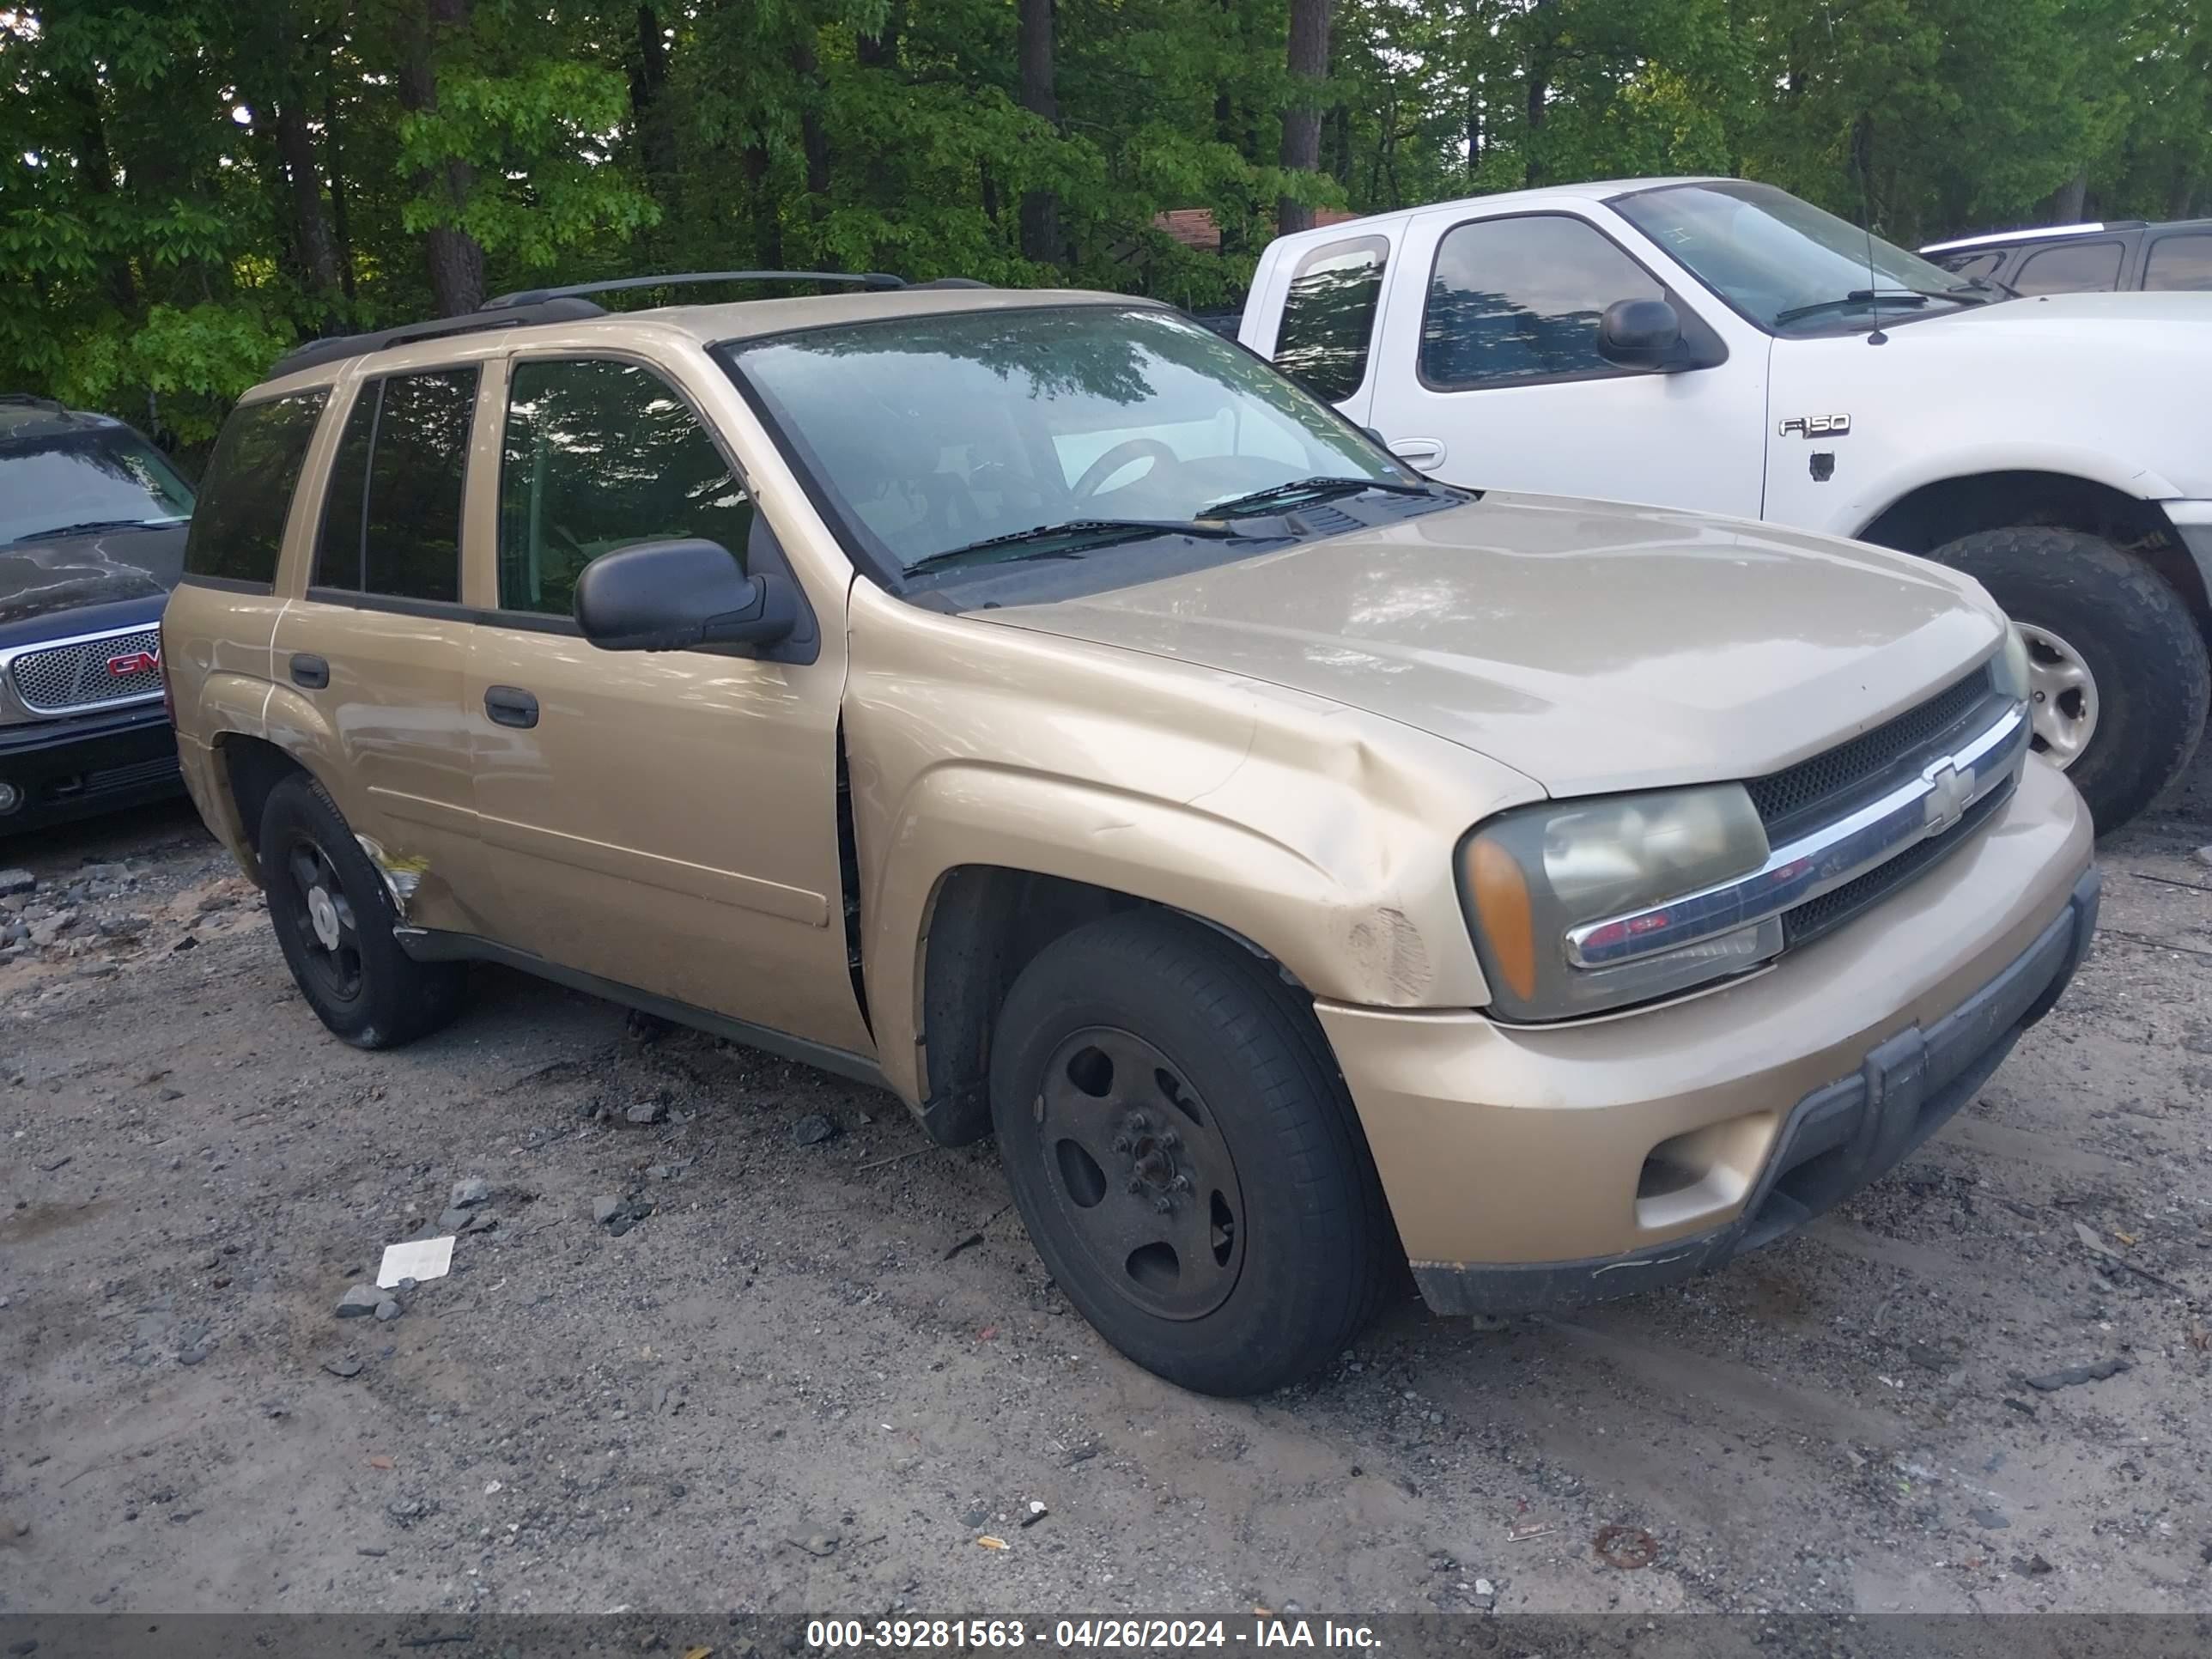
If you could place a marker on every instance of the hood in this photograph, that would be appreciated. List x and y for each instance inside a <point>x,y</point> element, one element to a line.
<point>2097,315</point>
<point>1590,647</point>
<point>43,579</point>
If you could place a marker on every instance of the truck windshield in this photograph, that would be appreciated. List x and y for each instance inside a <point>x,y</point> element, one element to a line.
<point>1789,266</point>
<point>78,482</point>
<point>931,434</point>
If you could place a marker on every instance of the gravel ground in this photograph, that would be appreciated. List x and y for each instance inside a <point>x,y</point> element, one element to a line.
<point>820,1373</point>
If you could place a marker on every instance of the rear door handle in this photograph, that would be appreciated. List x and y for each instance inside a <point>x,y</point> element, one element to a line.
<point>310,671</point>
<point>510,705</point>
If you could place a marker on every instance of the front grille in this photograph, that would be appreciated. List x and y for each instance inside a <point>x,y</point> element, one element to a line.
<point>82,672</point>
<point>1832,909</point>
<point>1813,791</point>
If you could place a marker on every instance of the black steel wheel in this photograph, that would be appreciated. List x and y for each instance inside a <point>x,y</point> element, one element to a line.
<point>333,917</point>
<point>1184,1155</point>
<point>1141,1175</point>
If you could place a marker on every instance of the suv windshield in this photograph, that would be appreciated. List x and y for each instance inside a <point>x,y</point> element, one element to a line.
<point>68,483</point>
<point>1789,266</point>
<point>933,435</point>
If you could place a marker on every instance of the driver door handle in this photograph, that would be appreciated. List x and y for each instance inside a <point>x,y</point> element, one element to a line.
<point>510,705</point>
<point>1421,453</point>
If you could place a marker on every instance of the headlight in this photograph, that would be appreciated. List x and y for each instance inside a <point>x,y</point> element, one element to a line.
<point>1536,877</point>
<point>2009,671</point>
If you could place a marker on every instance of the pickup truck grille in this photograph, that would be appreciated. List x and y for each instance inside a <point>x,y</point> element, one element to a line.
<point>60,679</point>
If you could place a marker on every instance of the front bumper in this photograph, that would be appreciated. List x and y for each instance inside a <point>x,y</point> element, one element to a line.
<point>78,765</point>
<point>1535,1168</point>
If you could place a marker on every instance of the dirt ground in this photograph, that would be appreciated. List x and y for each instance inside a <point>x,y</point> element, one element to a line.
<point>817,1375</point>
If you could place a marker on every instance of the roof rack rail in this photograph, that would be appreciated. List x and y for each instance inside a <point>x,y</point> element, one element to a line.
<point>339,347</point>
<point>530,297</point>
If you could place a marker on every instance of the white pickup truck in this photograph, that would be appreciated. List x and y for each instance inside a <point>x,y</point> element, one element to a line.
<point>1722,346</point>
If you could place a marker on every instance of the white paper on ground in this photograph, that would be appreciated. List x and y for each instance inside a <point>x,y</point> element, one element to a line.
<point>417,1258</point>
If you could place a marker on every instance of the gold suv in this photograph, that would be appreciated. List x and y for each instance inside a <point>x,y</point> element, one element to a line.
<point>1037,705</point>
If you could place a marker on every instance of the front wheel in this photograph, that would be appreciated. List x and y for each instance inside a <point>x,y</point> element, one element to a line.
<point>2117,675</point>
<point>1184,1155</point>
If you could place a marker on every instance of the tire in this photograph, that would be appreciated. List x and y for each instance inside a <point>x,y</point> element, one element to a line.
<point>339,946</point>
<point>1143,1061</point>
<point>2074,596</point>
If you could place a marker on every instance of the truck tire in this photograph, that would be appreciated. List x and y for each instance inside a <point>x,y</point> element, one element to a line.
<point>334,917</point>
<point>2118,671</point>
<point>1185,1157</point>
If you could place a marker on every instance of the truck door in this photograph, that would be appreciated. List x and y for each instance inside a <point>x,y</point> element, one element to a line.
<point>1487,373</point>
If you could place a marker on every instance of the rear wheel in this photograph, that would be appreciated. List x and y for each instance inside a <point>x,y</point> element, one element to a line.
<point>334,917</point>
<point>2118,676</point>
<point>1184,1155</point>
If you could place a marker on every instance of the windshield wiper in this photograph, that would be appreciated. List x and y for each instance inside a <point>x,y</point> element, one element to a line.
<point>1857,297</point>
<point>1091,533</point>
<point>85,527</point>
<point>1320,489</point>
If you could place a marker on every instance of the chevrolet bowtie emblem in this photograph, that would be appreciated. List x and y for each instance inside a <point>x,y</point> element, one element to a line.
<point>1949,791</point>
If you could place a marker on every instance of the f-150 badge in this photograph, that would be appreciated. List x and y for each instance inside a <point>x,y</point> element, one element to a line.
<point>1817,426</point>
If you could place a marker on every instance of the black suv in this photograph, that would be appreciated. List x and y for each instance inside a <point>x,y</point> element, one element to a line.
<point>92,539</point>
<point>2095,259</point>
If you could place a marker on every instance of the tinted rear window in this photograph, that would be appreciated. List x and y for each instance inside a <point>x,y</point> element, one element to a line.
<point>1328,315</point>
<point>2180,262</point>
<point>391,517</point>
<point>238,527</point>
<point>2071,268</point>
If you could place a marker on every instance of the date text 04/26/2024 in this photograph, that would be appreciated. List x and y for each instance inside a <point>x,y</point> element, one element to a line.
<point>1146,1635</point>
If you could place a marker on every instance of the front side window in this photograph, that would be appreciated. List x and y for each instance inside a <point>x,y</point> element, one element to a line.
<point>1329,314</point>
<point>2071,268</point>
<point>598,454</point>
<point>391,515</point>
<point>1519,299</point>
<point>1787,266</point>
<point>931,434</point>
<point>2179,262</point>
<point>238,527</point>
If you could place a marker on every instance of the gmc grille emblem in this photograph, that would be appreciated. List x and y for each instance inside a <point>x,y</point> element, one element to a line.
<point>135,662</point>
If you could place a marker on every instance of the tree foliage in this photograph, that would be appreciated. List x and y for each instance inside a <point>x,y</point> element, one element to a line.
<point>192,185</point>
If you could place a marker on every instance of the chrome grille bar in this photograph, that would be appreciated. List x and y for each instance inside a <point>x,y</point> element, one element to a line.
<point>1821,861</point>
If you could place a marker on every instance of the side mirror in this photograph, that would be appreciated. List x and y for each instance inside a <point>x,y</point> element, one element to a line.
<point>1640,334</point>
<point>668,596</point>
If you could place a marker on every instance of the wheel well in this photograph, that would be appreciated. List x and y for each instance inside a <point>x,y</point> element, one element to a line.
<point>987,923</point>
<point>1943,512</point>
<point>254,767</point>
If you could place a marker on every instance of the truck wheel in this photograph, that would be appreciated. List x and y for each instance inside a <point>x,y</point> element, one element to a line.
<point>1185,1157</point>
<point>2117,673</point>
<point>334,918</point>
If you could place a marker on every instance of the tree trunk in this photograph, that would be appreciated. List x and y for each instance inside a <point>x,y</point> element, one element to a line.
<point>813,137</point>
<point>1474,118</point>
<point>768,222</point>
<point>454,258</point>
<point>1539,87</point>
<point>2064,207</point>
<point>1033,48</point>
<point>881,51</point>
<point>648,77</point>
<point>311,225</point>
<point>1309,65</point>
<point>100,179</point>
<point>339,228</point>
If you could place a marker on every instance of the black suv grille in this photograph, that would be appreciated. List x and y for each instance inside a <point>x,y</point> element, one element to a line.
<point>1814,791</point>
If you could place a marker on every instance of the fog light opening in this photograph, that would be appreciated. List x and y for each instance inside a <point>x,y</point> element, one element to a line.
<point>11,797</point>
